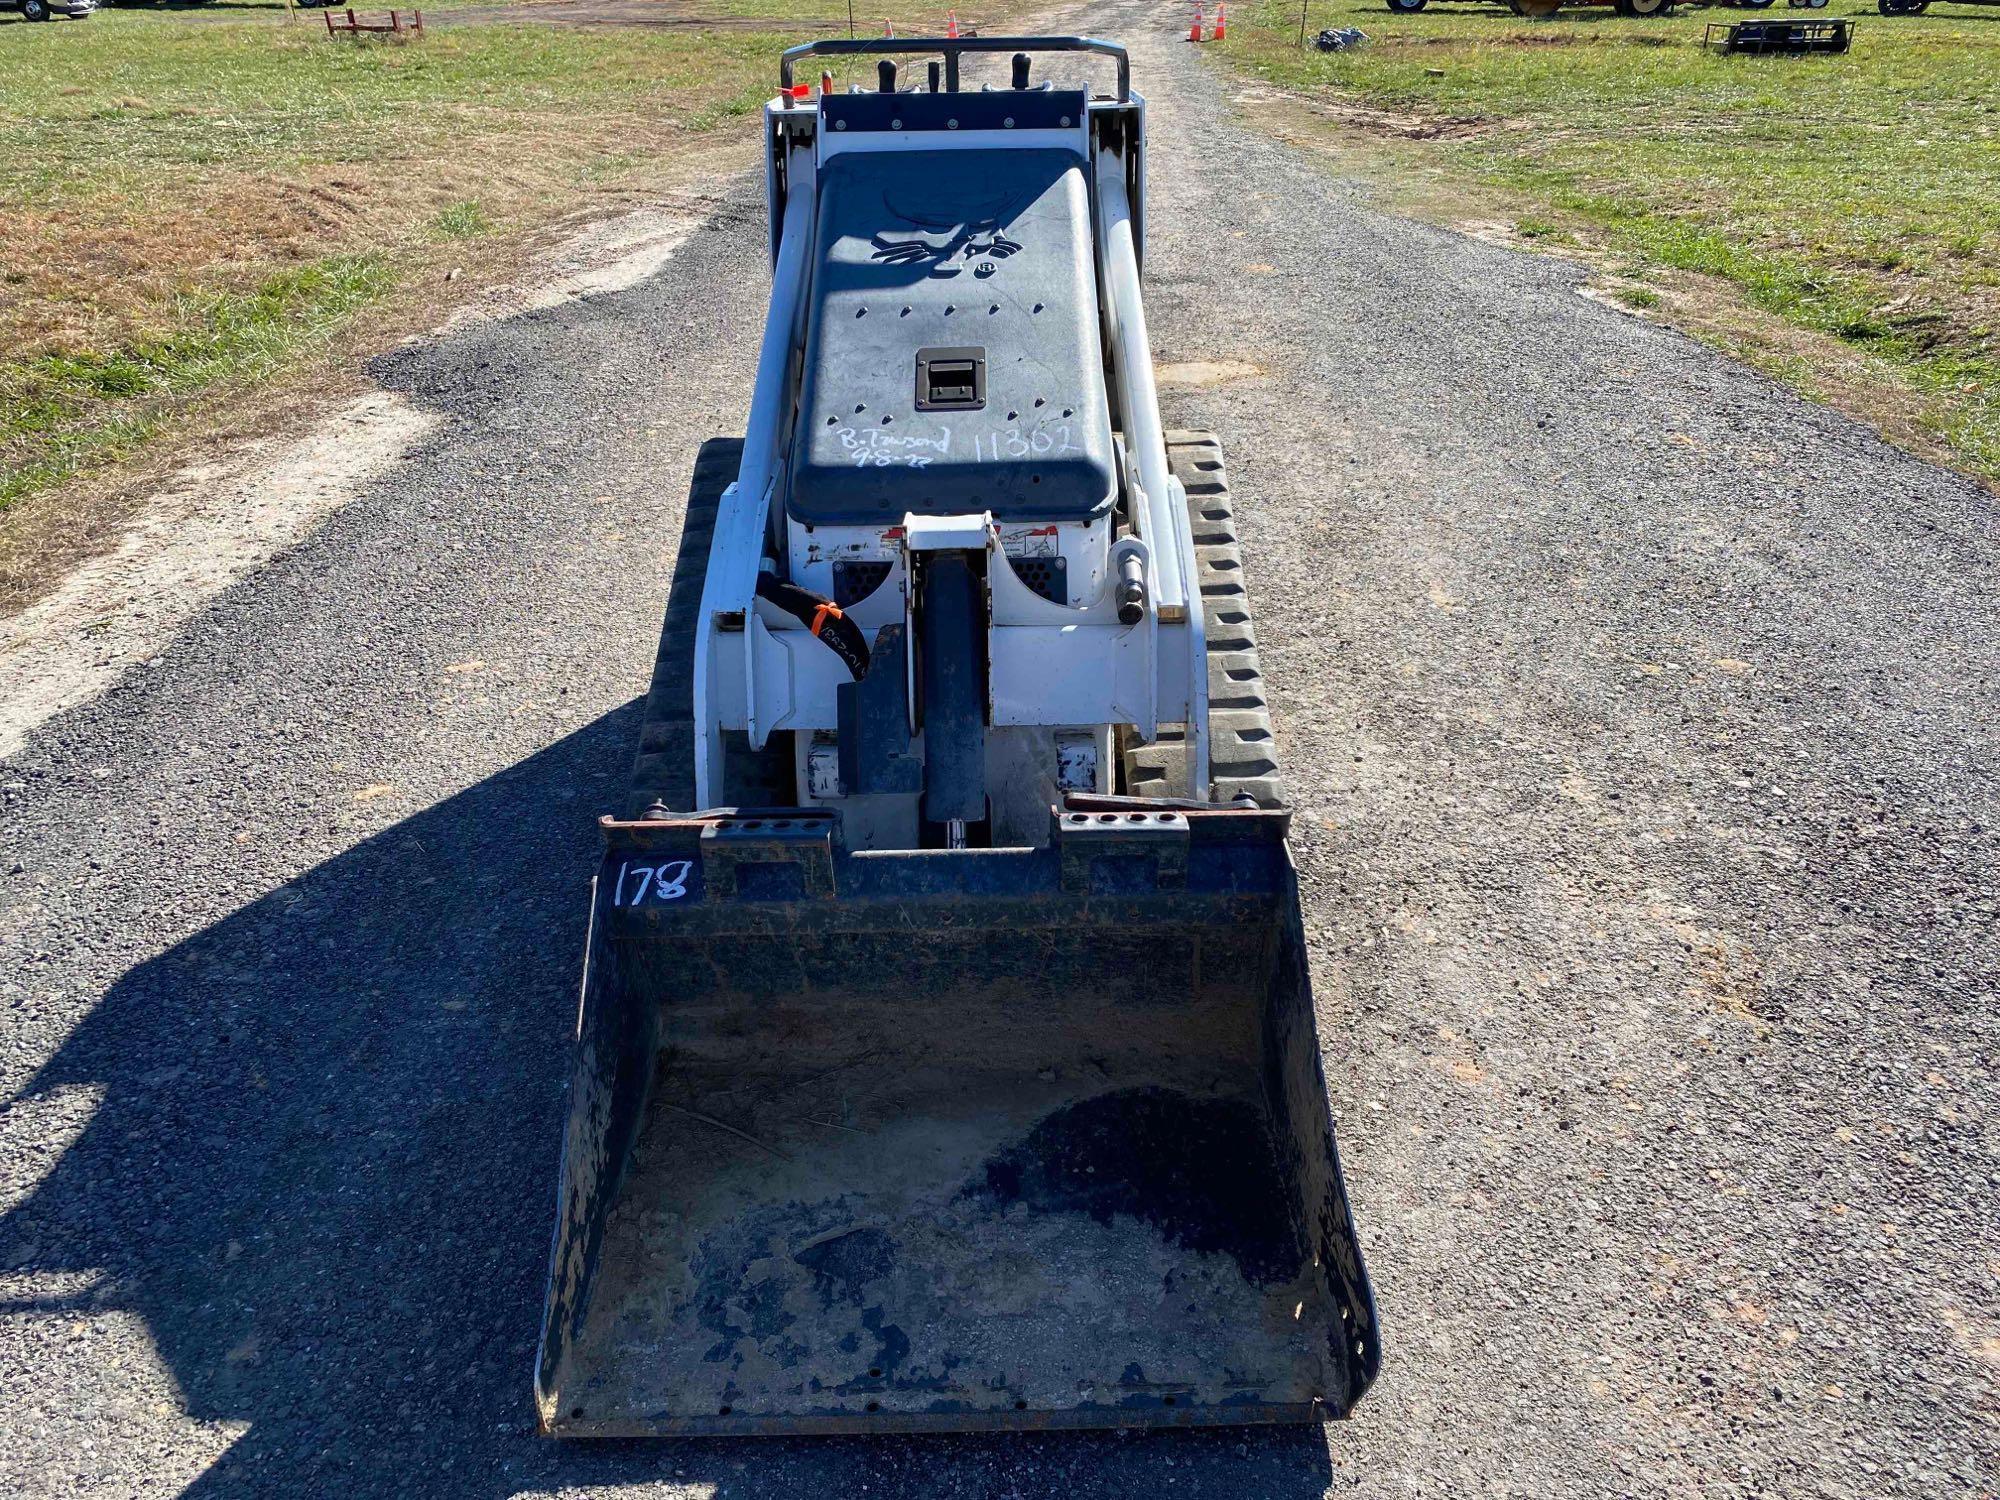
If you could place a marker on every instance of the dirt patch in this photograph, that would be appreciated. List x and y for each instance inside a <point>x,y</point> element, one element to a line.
<point>1492,231</point>
<point>1285,119</point>
<point>603,255</point>
<point>1200,373</point>
<point>93,275</point>
<point>1281,115</point>
<point>1724,972</point>
<point>622,236</point>
<point>1460,1069</point>
<point>90,275</point>
<point>1820,365</point>
<point>1706,307</point>
<point>1403,126</point>
<point>206,524</point>
<point>609,13</point>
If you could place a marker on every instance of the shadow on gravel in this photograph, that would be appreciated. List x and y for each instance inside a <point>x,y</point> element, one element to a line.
<point>323,1166</point>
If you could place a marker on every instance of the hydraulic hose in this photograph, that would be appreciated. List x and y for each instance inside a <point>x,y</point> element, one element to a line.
<point>822,617</point>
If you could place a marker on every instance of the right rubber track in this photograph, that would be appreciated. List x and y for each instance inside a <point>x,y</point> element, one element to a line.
<point>1242,752</point>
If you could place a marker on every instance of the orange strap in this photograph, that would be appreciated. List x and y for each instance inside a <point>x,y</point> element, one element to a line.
<point>823,614</point>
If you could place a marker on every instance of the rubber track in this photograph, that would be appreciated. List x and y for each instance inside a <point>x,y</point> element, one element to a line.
<point>1242,752</point>
<point>663,772</point>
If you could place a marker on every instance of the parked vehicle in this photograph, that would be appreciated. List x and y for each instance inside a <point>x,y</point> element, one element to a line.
<point>1918,7</point>
<point>1542,9</point>
<point>48,10</point>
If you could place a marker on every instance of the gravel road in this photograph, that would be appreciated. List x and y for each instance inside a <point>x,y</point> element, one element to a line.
<point>1642,724</point>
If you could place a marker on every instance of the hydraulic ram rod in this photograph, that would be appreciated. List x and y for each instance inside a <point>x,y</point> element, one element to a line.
<point>1165,529</point>
<point>1140,414</point>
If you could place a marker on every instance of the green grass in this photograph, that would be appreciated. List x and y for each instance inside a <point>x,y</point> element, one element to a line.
<point>190,205</point>
<point>1530,228</point>
<point>227,337</point>
<point>1858,196</point>
<point>131,97</point>
<point>462,221</point>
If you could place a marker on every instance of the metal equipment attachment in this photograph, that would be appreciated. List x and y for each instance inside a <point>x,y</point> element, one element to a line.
<point>1788,37</point>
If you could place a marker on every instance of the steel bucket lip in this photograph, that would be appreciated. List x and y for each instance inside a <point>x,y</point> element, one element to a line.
<point>865,1423</point>
<point>1103,816</point>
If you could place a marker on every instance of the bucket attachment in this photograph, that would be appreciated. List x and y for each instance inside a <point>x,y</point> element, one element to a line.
<point>949,1140</point>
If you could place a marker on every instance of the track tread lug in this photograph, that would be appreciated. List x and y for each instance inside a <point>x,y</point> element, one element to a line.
<point>1242,751</point>
<point>663,769</point>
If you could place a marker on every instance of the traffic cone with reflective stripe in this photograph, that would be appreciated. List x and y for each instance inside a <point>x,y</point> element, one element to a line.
<point>951,25</point>
<point>1221,21</point>
<point>1194,31</point>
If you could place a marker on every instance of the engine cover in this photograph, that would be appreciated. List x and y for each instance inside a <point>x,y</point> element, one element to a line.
<point>953,360</point>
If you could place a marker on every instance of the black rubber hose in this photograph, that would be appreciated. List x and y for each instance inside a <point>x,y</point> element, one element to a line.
<point>822,617</point>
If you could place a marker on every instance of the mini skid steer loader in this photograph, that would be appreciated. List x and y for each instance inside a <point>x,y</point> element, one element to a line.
<point>946,1057</point>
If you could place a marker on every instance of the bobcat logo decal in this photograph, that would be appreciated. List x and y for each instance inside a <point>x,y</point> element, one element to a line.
<point>948,238</point>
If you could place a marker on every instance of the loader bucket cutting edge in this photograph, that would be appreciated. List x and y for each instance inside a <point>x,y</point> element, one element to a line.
<point>916,1141</point>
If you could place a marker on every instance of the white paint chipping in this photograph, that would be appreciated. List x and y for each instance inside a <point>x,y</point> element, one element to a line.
<point>210,525</point>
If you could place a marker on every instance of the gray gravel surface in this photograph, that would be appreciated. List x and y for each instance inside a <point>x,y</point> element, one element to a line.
<point>1642,723</point>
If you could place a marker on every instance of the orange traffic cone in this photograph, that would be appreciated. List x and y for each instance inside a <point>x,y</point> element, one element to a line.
<point>1221,21</point>
<point>888,28</point>
<point>1194,31</point>
<point>951,25</point>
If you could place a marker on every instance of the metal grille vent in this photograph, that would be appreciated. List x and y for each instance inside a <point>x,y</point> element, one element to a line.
<point>1047,576</point>
<point>855,581</point>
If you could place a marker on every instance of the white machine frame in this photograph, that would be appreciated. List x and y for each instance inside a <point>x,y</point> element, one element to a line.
<point>1054,666</point>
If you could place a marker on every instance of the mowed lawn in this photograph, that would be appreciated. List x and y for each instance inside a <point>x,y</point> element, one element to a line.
<point>192,201</point>
<point>1858,195</point>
